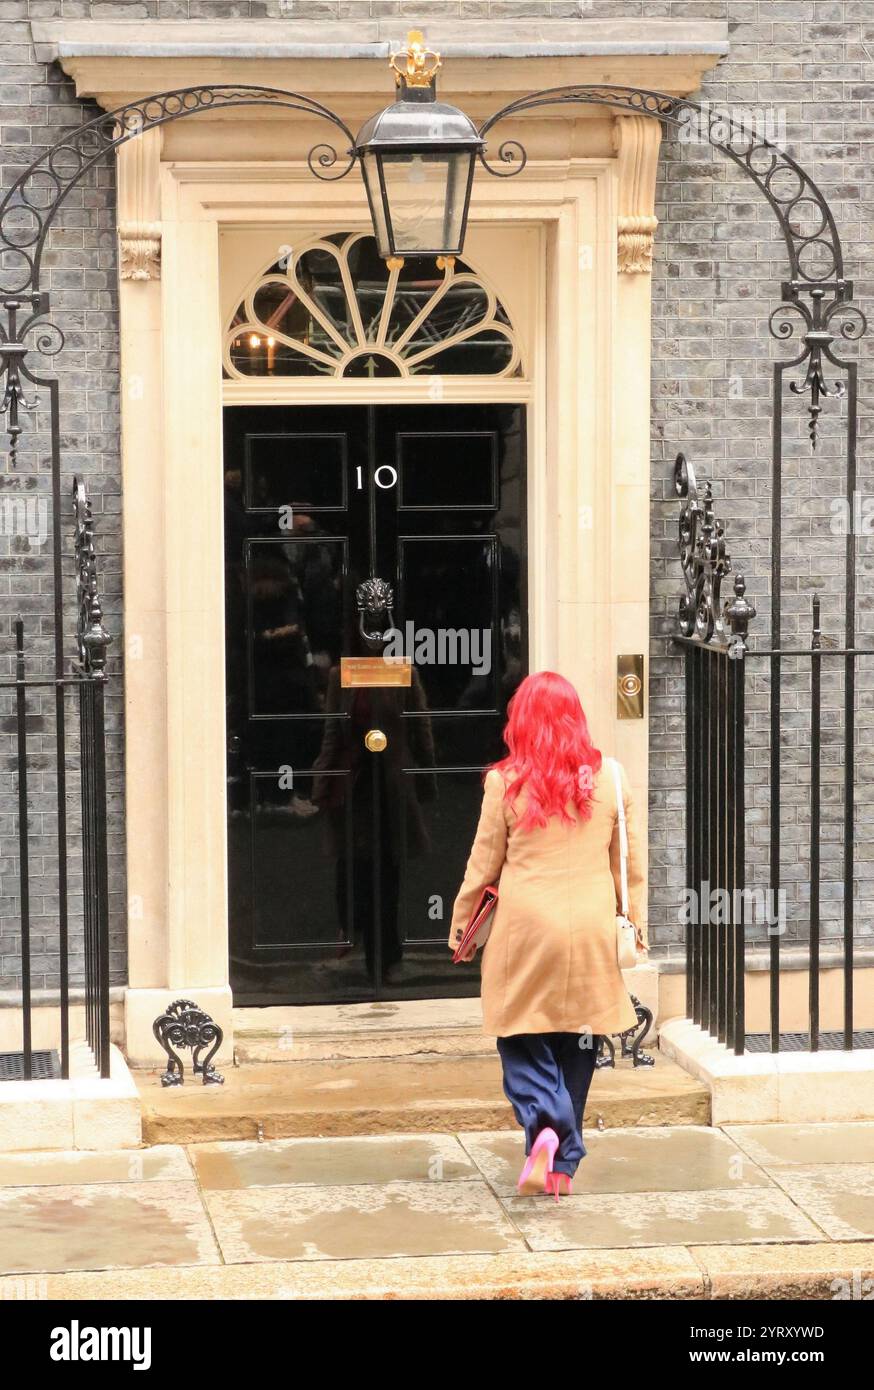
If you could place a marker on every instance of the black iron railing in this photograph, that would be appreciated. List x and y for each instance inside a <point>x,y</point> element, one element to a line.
<point>87,679</point>
<point>713,634</point>
<point>92,641</point>
<point>720,904</point>
<point>844,663</point>
<point>716,947</point>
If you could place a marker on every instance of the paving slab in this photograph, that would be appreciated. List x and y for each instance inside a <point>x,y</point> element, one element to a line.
<point>780,1145</point>
<point>839,1197</point>
<point>672,1213</point>
<point>683,1158</point>
<point>826,1270</point>
<point>103,1226</point>
<point>369,1159</point>
<point>660,1218</point>
<point>598,1274</point>
<point>163,1163</point>
<point>357,1221</point>
<point>392,1096</point>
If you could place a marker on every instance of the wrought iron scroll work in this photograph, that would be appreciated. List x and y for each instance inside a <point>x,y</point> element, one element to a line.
<point>25,315</point>
<point>92,638</point>
<point>28,210</point>
<point>703,616</point>
<point>185,1025</point>
<point>630,1041</point>
<point>816,320</point>
<point>816,264</point>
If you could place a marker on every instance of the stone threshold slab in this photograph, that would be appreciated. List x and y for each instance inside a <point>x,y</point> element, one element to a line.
<point>389,1028</point>
<point>384,1028</point>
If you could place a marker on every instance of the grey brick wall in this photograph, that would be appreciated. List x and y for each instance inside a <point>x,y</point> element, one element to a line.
<point>719,263</point>
<point>809,66</point>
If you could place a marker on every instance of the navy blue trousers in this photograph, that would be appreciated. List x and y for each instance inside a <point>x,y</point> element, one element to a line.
<point>546,1080</point>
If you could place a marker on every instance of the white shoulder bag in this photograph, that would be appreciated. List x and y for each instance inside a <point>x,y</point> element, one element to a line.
<point>626,935</point>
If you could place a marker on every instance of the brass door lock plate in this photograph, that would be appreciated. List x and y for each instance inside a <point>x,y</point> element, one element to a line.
<point>629,687</point>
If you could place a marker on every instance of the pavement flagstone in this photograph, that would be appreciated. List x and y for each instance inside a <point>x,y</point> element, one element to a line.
<point>672,1212</point>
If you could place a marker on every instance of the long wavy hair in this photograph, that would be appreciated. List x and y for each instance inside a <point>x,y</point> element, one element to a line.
<point>552,758</point>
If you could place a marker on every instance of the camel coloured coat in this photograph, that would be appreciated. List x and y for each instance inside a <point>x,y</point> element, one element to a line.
<point>549,965</point>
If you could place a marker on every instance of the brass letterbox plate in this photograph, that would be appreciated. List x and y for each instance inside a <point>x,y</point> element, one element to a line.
<point>629,687</point>
<point>375,671</point>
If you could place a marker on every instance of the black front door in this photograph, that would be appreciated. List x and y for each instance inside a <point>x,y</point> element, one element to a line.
<point>344,862</point>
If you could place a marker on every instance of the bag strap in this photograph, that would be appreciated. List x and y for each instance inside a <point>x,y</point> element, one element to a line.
<point>623,835</point>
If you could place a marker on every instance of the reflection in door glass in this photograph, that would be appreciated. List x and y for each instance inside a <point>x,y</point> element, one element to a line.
<point>294,623</point>
<point>449,600</point>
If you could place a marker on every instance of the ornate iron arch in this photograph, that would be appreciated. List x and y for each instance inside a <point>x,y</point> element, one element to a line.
<point>29,208</point>
<point>816,261</point>
<point>27,213</point>
<point>816,296</point>
<point>816,267</point>
<point>63,165</point>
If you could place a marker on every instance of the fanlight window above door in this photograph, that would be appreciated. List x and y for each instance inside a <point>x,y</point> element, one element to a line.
<point>333,308</point>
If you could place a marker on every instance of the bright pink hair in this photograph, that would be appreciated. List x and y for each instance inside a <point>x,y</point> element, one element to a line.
<point>552,758</point>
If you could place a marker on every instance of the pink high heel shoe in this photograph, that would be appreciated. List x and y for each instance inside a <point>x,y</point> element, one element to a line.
<point>554,1183</point>
<point>537,1172</point>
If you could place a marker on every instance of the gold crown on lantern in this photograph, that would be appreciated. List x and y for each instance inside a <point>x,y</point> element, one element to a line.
<point>416,65</point>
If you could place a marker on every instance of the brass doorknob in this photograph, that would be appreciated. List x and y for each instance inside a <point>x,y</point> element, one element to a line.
<point>375,741</point>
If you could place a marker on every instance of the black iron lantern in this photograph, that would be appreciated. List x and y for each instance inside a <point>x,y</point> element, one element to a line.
<point>417,157</point>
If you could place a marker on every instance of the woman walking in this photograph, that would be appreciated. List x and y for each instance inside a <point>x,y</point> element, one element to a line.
<point>551,983</point>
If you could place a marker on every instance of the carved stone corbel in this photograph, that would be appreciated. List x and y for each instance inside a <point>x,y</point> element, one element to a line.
<point>636,140</point>
<point>139,207</point>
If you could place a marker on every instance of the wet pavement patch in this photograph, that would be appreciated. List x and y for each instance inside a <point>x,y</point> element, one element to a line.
<point>687,1158</point>
<point>660,1218</point>
<point>318,1162</point>
<point>308,1223</point>
<point>838,1197</point>
<point>163,1163</point>
<point>103,1226</point>
<point>778,1145</point>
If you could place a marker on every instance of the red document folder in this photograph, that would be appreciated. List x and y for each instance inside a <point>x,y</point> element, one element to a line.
<point>480,924</point>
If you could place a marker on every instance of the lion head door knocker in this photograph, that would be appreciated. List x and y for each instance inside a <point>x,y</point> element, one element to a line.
<point>374,599</point>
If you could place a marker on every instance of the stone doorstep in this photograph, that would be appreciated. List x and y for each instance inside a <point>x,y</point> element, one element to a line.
<point>768,1088</point>
<point>401,1095</point>
<point>335,1032</point>
<point>821,1270</point>
<point>327,1032</point>
<point>85,1112</point>
<point>389,1028</point>
<point>445,1042</point>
